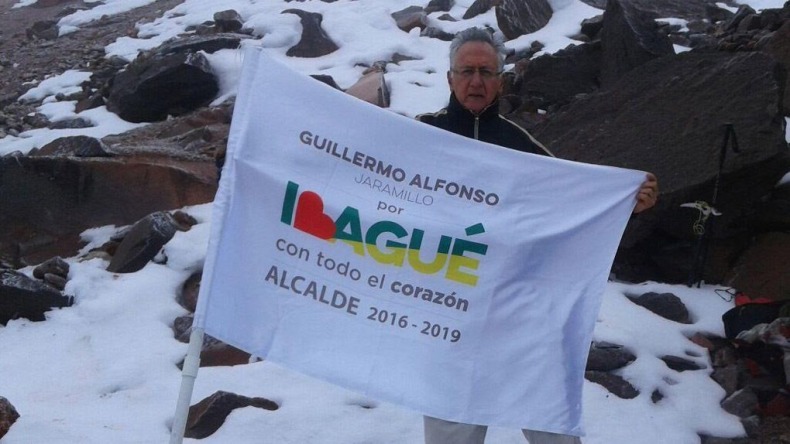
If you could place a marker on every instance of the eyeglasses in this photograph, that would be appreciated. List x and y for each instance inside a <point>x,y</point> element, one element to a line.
<point>468,72</point>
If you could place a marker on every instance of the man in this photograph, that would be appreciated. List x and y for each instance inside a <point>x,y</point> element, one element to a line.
<point>476,62</point>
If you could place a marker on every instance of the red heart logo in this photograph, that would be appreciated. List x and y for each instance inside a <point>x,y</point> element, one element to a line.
<point>310,216</point>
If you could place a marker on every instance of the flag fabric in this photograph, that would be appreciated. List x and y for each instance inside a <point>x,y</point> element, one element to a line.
<point>415,266</point>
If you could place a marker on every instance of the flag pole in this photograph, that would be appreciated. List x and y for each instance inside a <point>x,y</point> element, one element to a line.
<point>188,375</point>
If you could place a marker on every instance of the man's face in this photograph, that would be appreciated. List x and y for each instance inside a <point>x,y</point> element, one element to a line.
<point>474,77</point>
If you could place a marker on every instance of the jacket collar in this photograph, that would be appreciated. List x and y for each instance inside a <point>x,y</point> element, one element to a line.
<point>457,111</point>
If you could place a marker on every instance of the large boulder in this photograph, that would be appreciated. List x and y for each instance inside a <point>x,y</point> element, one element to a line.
<point>314,42</point>
<point>23,297</point>
<point>143,242</point>
<point>480,7</point>
<point>667,117</point>
<point>162,84</point>
<point>48,201</point>
<point>554,80</point>
<point>518,17</point>
<point>629,38</point>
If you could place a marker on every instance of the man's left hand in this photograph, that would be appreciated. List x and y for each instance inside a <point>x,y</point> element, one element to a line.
<point>648,194</point>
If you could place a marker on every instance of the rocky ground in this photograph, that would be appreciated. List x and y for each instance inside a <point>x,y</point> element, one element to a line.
<point>26,58</point>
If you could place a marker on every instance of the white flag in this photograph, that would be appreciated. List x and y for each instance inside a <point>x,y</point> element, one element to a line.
<point>412,265</point>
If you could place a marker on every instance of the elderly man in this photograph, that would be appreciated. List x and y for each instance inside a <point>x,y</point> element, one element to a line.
<point>476,62</point>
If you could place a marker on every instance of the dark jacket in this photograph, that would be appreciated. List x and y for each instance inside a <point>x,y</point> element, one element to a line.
<point>489,126</point>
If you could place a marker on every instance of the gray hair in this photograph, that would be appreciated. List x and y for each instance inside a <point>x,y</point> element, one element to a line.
<point>478,35</point>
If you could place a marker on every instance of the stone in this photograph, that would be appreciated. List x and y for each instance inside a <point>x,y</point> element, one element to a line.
<point>154,87</point>
<point>56,266</point>
<point>439,5</point>
<point>518,17</point>
<point>555,80</point>
<point>607,127</point>
<point>191,44</point>
<point>213,352</point>
<point>613,383</point>
<point>188,296</point>
<point>228,21</point>
<point>45,29</point>
<point>743,403</point>
<point>371,88</point>
<point>761,272</point>
<point>629,38</point>
<point>8,416</point>
<point>479,7</point>
<point>606,357</point>
<point>778,46</point>
<point>666,305</point>
<point>76,146</point>
<point>79,122</point>
<point>592,26</point>
<point>23,297</point>
<point>436,33</point>
<point>410,18</point>
<point>314,41</point>
<point>142,243</point>
<point>680,364</point>
<point>208,415</point>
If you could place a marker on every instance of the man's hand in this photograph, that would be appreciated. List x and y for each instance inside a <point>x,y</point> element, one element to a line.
<point>648,194</point>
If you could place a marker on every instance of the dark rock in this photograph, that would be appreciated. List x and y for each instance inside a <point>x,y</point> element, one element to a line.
<point>606,357</point>
<point>314,41</point>
<point>666,305</point>
<point>727,378</point>
<point>228,21</point>
<point>213,352</point>
<point>143,243</point>
<point>327,79</point>
<point>49,201</point>
<point>152,88</point>
<point>74,146</point>
<point>436,33</point>
<point>194,43</point>
<point>447,18</point>
<point>608,128</point>
<point>8,416</point>
<point>743,12</point>
<point>410,18</point>
<point>761,272</point>
<point>188,296</point>
<point>778,46</point>
<point>56,265</point>
<point>629,38</point>
<point>557,79</point>
<point>681,364</point>
<point>479,7</point>
<point>208,415</point>
<point>518,17</point>
<point>439,5</point>
<point>184,221</point>
<point>613,383</point>
<point>592,26</point>
<point>79,122</point>
<point>656,396</point>
<point>742,403</point>
<point>23,297</point>
<point>56,281</point>
<point>45,29</point>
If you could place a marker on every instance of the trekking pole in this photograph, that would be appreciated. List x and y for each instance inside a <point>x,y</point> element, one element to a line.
<point>704,223</point>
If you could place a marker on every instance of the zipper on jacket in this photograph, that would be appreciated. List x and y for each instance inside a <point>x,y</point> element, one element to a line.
<point>477,125</point>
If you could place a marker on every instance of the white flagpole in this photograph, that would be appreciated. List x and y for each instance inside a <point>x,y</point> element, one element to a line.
<point>188,375</point>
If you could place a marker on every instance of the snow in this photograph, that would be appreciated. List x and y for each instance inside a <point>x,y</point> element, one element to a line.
<point>104,370</point>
